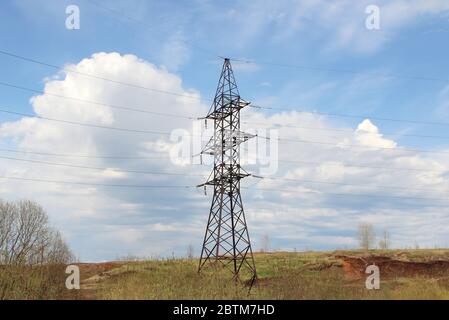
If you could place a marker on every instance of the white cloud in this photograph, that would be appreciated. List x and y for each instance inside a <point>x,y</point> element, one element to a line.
<point>75,208</point>
<point>338,25</point>
<point>103,223</point>
<point>245,66</point>
<point>129,235</point>
<point>314,209</point>
<point>367,134</point>
<point>442,111</point>
<point>175,52</point>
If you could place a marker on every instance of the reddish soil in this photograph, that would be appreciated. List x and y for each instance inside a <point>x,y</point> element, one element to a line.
<point>88,270</point>
<point>389,267</point>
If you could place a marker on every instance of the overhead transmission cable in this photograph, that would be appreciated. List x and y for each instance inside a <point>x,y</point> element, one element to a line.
<point>96,184</point>
<point>347,194</point>
<point>340,183</point>
<point>355,165</point>
<point>341,115</point>
<point>336,70</point>
<point>120,15</point>
<point>344,145</point>
<point>102,168</point>
<point>134,109</point>
<point>30,60</point>
<point>168,133</point>
<point>200,175</point>
<point>98,77</point>
<point>280,126</point>
<point>39,153</point>
<point>333,163</point>
<point>141,110</point>
<point>187,186</point>
<point>83,123</point>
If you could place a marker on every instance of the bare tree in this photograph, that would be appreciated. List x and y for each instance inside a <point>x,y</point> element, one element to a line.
<point>32,254</point>
<point>366,235</point>
<point>190,251</point>
<point>57,250</point>
<point>265,243</point>
<point>32,229</point>
<point>26,237</point>
<point>6,229</point>
<point>384,243</point>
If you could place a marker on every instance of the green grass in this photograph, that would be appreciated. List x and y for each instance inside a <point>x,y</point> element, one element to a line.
<point>281,276</point>
<point>306,275</point>
<point>32,283</point>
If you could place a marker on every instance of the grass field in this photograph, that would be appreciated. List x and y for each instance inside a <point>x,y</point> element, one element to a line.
<point>310,275</point>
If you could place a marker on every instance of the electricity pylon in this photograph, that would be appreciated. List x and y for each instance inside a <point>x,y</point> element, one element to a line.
<point>226,240</point>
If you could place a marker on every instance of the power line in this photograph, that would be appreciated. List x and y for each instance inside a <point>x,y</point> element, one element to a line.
<point>98,103</point>
<point>120,14</point>
<point>168,133</point>
<point>347,194</point>
<point>355,146</point>
<point>347,130</point>
<point>97,184</point>
<point>80,156</point>
<point>102,168</point>
<point>374,75</point>
<point>199,175</point>
<point>90,75</point>
<point>342,183</point>
<point>210,100</point>
<point>191,187</point>
<point>361,166</point>
<point>196,118</point>
<point>341,115</point>
<point>190,117</point>
<point>87,156</point>
<point>346,164</point>
<point>88,124</point>
<point>83,123</point>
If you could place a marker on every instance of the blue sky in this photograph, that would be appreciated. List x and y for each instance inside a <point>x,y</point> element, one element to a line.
<point>416,48</point>
<point>341,67</point>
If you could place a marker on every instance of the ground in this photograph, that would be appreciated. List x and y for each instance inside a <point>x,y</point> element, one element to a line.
<point>405,274</point>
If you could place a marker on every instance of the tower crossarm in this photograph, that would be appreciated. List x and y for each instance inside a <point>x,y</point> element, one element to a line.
<point>223,107</point>
<point>225,180</point>
<point>216,145</point>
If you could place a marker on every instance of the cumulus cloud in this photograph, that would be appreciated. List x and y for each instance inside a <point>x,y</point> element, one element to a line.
<point>338,25</point>
<point>348,176</point>
<point>331,180</point>
<point>79,209</point>
<point>174,52</point>
<point>367,134</point>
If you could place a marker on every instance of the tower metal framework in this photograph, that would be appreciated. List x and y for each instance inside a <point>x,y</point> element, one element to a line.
<point>226,239</point>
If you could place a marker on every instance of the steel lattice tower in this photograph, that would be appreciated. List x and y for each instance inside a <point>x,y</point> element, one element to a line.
<point>227,239</point>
